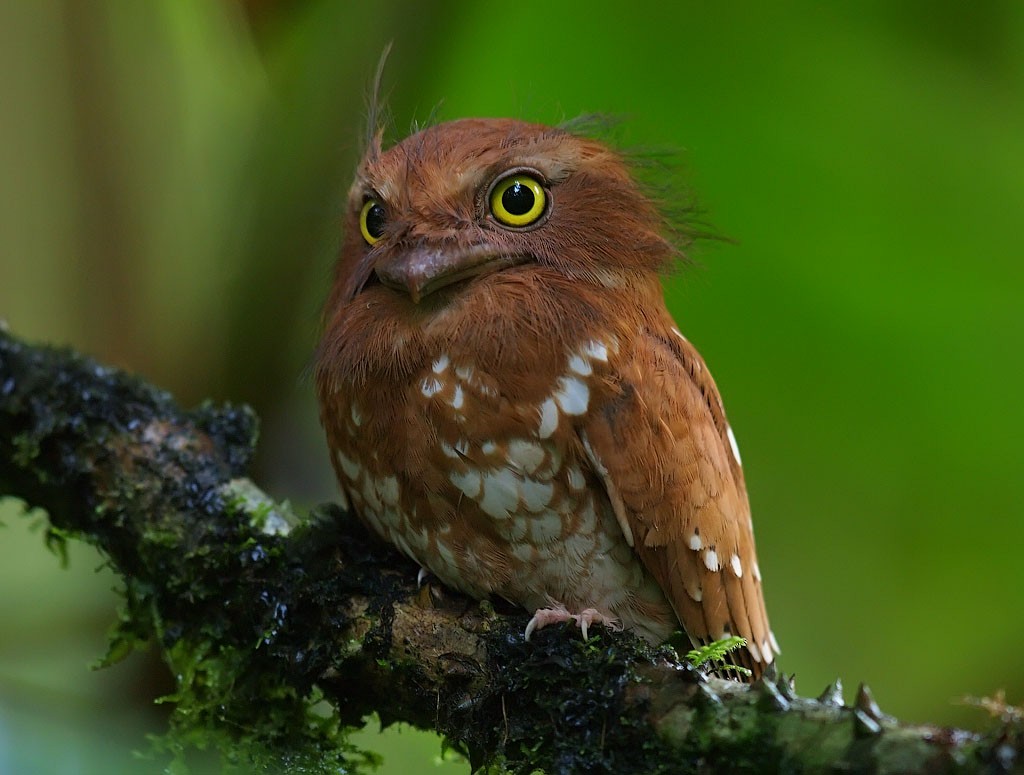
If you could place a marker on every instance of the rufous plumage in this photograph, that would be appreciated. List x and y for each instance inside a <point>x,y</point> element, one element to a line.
<point>508,401</point>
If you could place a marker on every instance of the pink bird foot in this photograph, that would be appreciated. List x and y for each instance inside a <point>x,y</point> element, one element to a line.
<point>558,613</point>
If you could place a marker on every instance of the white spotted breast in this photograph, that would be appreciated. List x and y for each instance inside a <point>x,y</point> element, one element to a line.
<point>496,497</point>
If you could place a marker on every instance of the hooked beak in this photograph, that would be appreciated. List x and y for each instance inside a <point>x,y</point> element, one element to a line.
<point>423,270</point>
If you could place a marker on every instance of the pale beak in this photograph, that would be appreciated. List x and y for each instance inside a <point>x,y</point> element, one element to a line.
<point>421,271</point>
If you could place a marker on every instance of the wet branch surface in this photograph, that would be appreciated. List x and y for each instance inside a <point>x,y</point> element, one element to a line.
<point>260,612</point>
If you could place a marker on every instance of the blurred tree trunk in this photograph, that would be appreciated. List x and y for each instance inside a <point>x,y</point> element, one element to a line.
<point>178,171</point>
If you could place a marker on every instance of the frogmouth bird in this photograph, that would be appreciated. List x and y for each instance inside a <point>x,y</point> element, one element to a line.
<point>508,401</point>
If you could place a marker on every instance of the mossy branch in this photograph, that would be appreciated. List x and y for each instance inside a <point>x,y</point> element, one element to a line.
<point>261,613</point>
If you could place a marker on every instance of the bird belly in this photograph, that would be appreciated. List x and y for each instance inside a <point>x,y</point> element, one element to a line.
<point>488,501</point>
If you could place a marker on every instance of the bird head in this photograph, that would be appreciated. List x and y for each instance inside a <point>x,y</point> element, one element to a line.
<point>490,225</point>
<point>465,199</point>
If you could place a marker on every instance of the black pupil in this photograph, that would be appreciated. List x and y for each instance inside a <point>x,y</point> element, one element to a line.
<point>375,221</point>
<point>518,199</point>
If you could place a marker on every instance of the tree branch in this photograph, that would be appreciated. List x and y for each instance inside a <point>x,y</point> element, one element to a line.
<point>259,613</point>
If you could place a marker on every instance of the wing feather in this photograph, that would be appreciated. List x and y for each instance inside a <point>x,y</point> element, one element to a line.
<point>660,444</point>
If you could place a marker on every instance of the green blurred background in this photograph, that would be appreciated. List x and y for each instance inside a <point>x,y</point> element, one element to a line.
<point>171,178</point>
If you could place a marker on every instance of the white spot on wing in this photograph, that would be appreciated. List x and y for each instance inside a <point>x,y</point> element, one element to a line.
<point>501,494</point>
<point>525,552</point>
<point>548,418</point>
<point>695,543</point>
<point>576,478</point>
<point>445,555</point>
<point>458,398</point>
<point>536,495</point>
<point>580,366</point>
<point>430,386</point>
<point>469,482</point>
<point>419,540</point>
<point>544,528</point>
<point>514,530</point>
<point>736,565</point>
<point>464,372</point>
<point>733,444</point>
<point>440,364</point>
<point>488,447</point>
<point>357,416</point>
<point>525,454</point>
<point>596,350</point>
<point>711,560</point>
<point>572,395</point>
<point>351,468</point>
<point>757,571</point>
<point>755,652</point>
<point>697,594</point>
<point>373,501</point>
<point>775,643</point>
<point>389,490</point>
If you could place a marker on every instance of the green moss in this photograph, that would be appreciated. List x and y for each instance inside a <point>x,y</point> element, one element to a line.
<point>558,701</point>
<point>208,576</point>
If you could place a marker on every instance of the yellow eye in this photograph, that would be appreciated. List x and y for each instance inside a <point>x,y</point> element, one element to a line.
<point>372,219</point>
<point>518,200</point>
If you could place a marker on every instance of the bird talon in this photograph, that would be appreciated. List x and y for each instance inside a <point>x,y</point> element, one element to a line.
<point>590,616</point>
<point>557,613</point>
<point>542,617</point>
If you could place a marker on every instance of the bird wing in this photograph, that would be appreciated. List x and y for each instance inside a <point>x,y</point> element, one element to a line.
<point>662,446</point>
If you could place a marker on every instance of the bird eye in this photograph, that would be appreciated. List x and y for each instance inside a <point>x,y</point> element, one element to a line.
<point>372,219</point>
<point>518,200</point>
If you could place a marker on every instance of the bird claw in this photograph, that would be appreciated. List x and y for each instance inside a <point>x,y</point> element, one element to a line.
<point>589,616</point>
<point>558,613</point>
<point>542,617</point>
